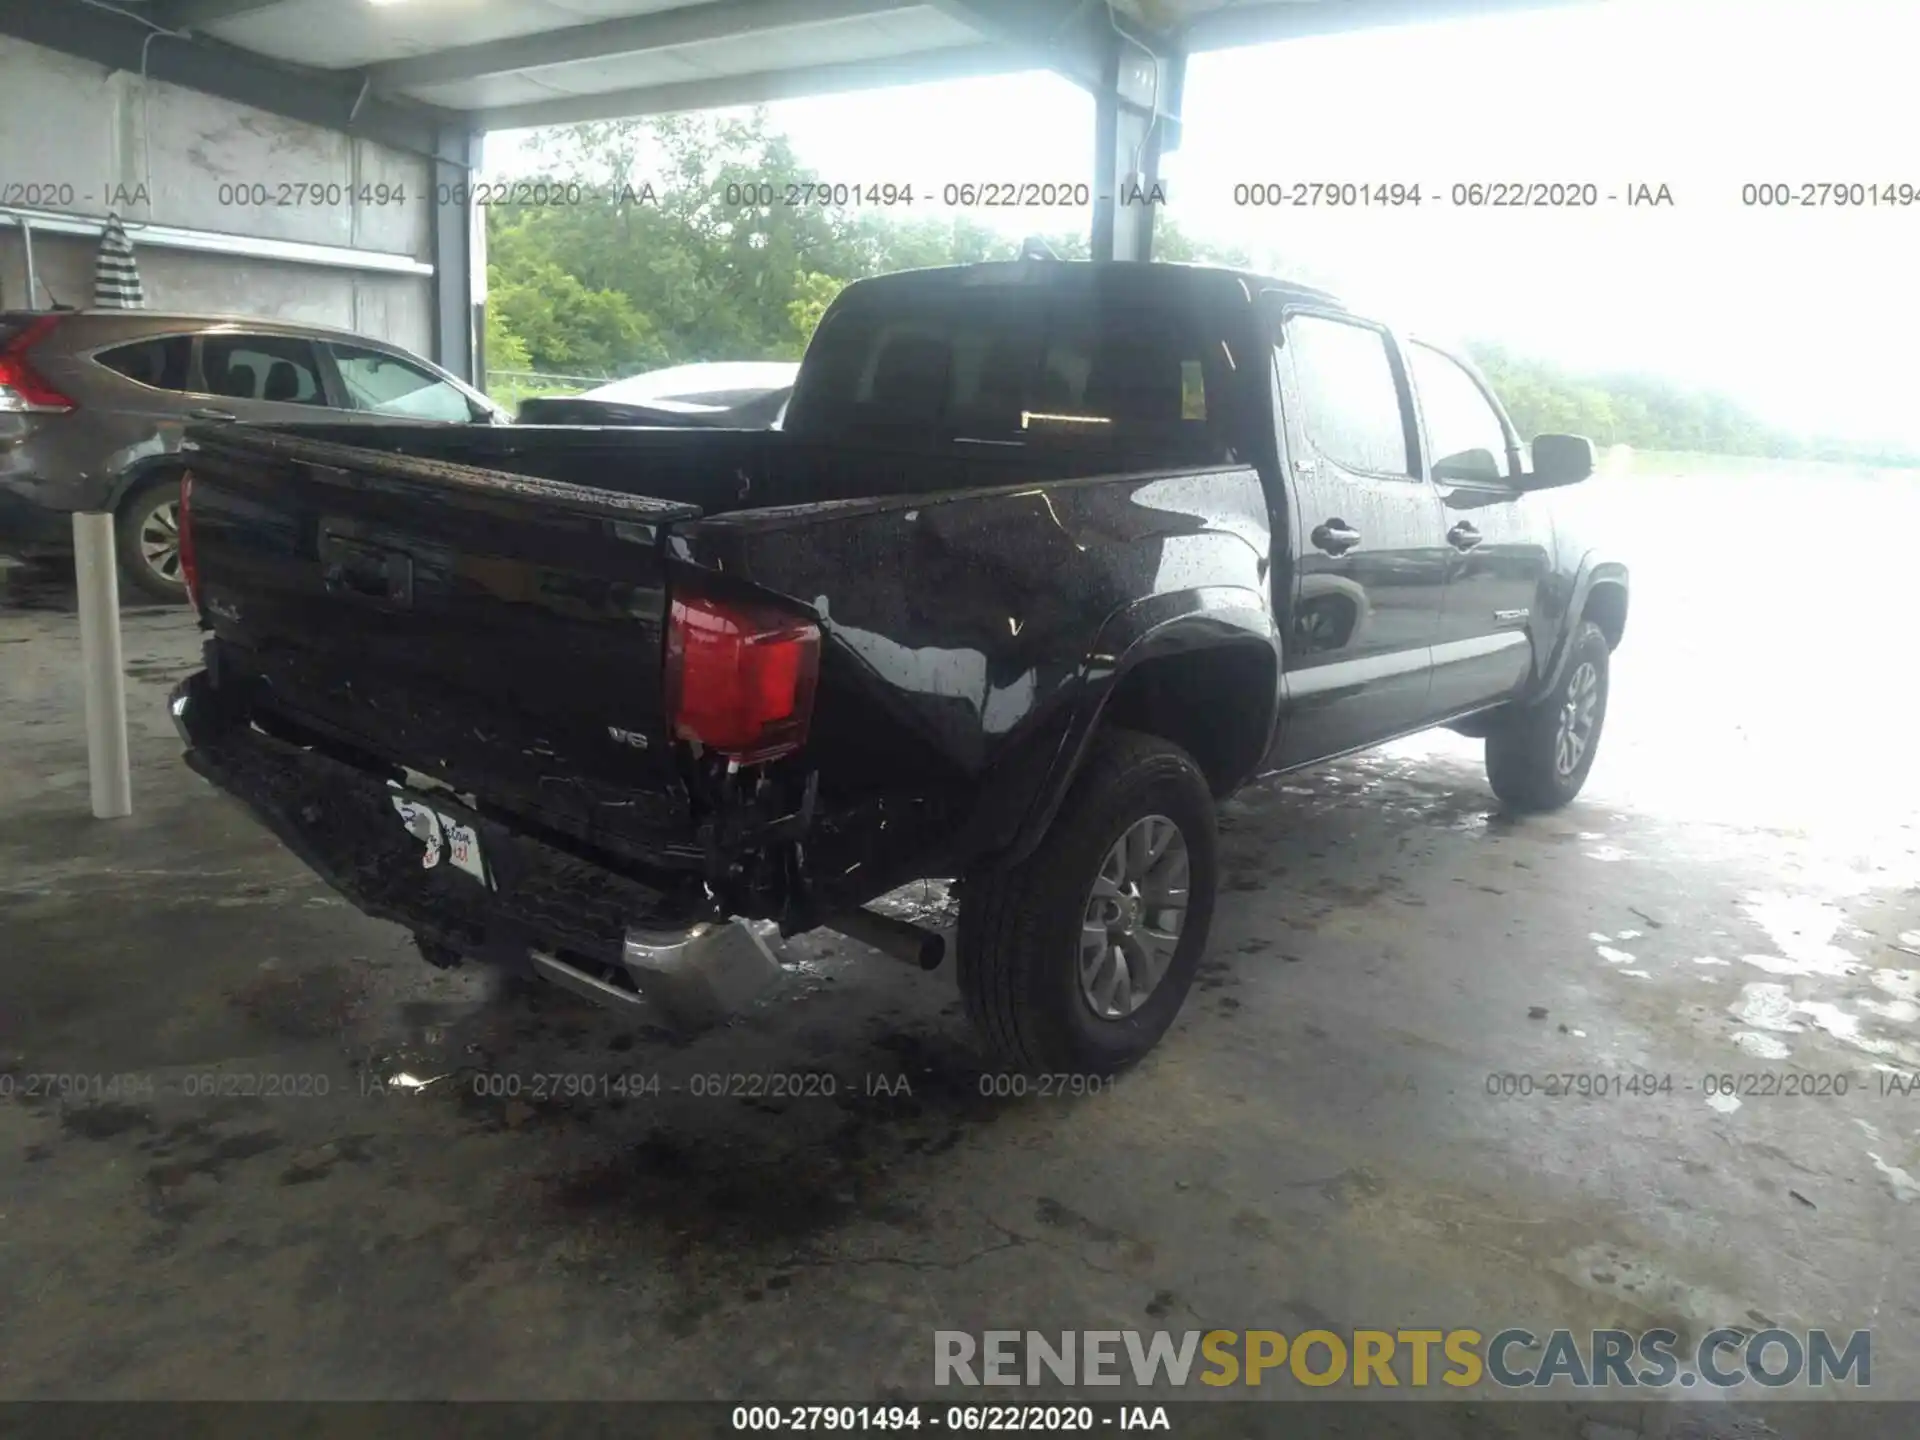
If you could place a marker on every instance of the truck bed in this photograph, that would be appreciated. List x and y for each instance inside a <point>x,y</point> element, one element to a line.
<point>454,608</point>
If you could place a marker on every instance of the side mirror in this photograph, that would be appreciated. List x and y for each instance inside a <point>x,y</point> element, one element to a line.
<point>1558,460</point>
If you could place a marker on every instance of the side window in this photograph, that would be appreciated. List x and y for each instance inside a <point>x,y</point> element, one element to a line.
<point>1464,432</point>
<point>1349,396</point>
<point>162,362</point>
<point>262,367</point>
<point>388,385</point>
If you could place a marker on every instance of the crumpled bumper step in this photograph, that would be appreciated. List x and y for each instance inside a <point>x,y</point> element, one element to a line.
<point>340,820</point>
<point>600,933</point>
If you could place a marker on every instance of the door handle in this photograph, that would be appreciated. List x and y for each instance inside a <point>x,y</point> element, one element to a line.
<point>1463,536</point>
<point>212,415</point>
<point>1335,537</point>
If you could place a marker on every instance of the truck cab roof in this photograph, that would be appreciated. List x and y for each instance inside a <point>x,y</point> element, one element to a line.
<point>1045,273</point>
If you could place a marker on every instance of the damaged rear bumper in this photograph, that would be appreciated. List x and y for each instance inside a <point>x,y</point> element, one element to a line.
<point>536,905</point>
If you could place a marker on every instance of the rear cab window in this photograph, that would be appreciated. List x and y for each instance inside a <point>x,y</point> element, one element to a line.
<point>1067,365</point>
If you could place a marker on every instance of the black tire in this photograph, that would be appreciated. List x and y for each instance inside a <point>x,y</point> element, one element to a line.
<point>139,573</point>
<point>438,953</point>
<point>1525,756</point>
<point>1019,931</point>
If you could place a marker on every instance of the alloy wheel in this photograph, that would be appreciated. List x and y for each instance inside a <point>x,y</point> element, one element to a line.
<point>1134,913</point>
<point>1577,713</point>
<point>160,541</point>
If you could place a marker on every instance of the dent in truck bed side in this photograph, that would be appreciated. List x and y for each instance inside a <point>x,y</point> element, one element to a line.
<point>970,639</point>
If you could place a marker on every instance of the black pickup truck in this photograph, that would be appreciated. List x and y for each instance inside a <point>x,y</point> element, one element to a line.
<point>1047,559</point>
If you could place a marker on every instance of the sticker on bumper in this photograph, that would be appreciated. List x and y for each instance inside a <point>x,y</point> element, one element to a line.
<point>442,837</point>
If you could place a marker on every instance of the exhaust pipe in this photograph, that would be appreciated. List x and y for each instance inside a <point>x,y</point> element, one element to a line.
<point>901,939</point>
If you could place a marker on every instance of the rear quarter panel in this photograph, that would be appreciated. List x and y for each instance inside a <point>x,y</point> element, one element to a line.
<point>964,634</point>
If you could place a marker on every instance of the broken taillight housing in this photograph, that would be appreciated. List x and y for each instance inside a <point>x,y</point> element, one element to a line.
<point>740,677</point>
<point>22,391</point>
<point>189,563</point>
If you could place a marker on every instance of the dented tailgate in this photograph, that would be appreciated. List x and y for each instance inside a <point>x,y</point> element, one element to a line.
<point>500,633</point>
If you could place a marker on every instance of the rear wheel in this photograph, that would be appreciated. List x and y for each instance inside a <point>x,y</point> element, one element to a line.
<point>1538,758</point>
<point>147,535</point>
<point>438,953</point>
<point>1078,959</point>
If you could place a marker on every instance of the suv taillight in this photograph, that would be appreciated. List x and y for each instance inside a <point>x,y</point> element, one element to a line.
<point>21,390</point>
<point>740,677</point>
<point>189,564</point>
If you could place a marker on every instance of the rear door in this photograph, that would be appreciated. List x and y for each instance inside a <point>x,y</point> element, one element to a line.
<point>1369,562</point>
<point>261,378</point>
<point>1500,541</point>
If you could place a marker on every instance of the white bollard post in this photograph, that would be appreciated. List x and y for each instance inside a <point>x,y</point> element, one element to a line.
<point>100,664</point>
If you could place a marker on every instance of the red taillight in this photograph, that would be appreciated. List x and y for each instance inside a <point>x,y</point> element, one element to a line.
<point>189,565</point>
<point>21,390</point>
<point>740,677</point>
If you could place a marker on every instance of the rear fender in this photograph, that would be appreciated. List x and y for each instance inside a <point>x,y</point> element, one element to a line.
<point>1214,620</point>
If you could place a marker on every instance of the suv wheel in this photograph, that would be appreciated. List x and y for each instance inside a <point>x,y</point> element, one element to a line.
<point>1538,758</point>
<point>1078,959</point>
<point>148,539</point>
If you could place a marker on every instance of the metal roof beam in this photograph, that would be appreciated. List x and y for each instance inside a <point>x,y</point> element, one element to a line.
<point>1066,36</point>
<point>754,89</point>
<point>332,100</point>
<point>198,14</point>
<point>628,35</point>
<point>1238,25</point>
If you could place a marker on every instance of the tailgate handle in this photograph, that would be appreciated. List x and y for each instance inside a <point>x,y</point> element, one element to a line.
<point>354,569</point>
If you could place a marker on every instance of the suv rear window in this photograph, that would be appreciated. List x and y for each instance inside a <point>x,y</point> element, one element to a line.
<point>161,362</point>
<point>1064,366</point>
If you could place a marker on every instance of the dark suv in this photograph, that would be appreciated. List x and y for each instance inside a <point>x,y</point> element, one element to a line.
<point>93,403</point>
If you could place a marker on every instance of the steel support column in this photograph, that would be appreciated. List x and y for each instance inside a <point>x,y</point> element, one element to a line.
<point>1136,119</point>
<point>102,670</point>
<point>457,321</point>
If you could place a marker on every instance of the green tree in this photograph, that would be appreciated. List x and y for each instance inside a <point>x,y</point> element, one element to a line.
<point>565,326</point>
<point>670,239</point>
<point>504,349</point>
<point>815,293</point>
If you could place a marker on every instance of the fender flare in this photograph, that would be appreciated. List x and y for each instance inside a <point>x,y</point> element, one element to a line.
<point>138,474</point>
<point>1179,622</point>
<point>1593,574</point>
